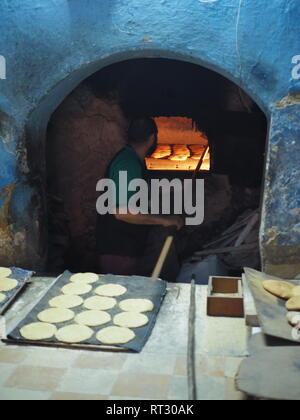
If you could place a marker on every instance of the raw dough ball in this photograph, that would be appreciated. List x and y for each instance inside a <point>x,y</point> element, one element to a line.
<point>100,303</point>
<point>87,278</point>
<point>131,320</point>
<point>92,318</point>
<point>293,304</point>
<point>293,318</point>
<point>5,272</point>
<point>115,335</point>
<point>136,305</point>
<point>2,297</point>
<point>280,289</point>
<point>38,331</point>
<point>111,290</point>
<point>56,315</point>
<point>296,291</point>
<point>6,285</point>
<point>74,334</point>
<point>76,289</point>
<point>66,301</point>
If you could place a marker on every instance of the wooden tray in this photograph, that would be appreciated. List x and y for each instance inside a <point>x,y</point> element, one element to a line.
<point>271,310</point>
<point>225,297</point>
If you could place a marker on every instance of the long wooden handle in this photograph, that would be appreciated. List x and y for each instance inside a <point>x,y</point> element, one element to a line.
<point>162,258</point>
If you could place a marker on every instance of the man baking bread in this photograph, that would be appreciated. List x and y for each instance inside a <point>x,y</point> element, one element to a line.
<point>130,244</point>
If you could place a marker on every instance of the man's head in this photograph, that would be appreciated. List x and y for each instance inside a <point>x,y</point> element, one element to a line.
<point>142,133</point>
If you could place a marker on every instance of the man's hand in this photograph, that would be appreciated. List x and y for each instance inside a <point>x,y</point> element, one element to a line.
<point>174,221</point>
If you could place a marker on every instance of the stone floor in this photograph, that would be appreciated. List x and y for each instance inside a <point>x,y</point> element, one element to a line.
<point>157,373</point>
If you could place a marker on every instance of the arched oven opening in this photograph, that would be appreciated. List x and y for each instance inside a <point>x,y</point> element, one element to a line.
<point>209,128</point>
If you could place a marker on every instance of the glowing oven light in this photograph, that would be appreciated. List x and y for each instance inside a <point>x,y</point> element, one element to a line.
<point>180,146</point>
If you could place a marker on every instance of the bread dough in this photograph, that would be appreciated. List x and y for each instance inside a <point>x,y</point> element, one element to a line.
<point>74,334</point>
<point>296,291</point>
<point>6,285</point>
<point>115,335</point>
<point>111,290</point>
<point>280,289</point>
<point>56,315</point>
<point>38,331</point>
<point>293,304</point>
<point>2,297</point>
<point>93,318</point>
<point>66,301</point>
<point>5,272</point>
<point>87,278</point>
<point>100,303</point>
<point>131,320</point>
<point>136,305</point>
<point>76,289</point>
<point>293,318</point>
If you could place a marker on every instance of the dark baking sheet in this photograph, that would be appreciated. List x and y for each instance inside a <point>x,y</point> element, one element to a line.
<point>270,309</point>
<point>22,276</point>
<point>137,288</point>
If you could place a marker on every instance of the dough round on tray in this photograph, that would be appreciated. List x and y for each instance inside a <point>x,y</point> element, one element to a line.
<point>131,320</point>
<point>93,318</point>
<point>38,331</point>
<point>2,297</point>
<point>86,278</point>
<point>76,289</point>
<point>6,285</point>
<point>115,335</point>
<point>5,272</point>
<point>56,315</point>
<point>66,301</point>
<point>280,289</point>
<point>74,334</point>
<point>293,318</point>
<point>136,305</point>
<point>111,290</point>
<point>293,304</point>
<point>296,291</point>
<point>100,303</point>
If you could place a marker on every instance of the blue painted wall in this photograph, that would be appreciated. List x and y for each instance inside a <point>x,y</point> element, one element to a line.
<point>51,45</point>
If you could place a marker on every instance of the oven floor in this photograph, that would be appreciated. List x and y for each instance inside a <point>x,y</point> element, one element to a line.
<point>158,373</point>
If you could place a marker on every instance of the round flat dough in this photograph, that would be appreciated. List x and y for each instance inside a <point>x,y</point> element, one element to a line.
<point>100,303</point>
<point>5,272</point>
<point>280,289</point>
<point>76,289</point>
<point>293,304</point>
<point>74,334</point>
<point>87,278</point>
<point>2,297</point>
<point>6,285</point>
<point>66,301</point>
<point>136,305</point>
<point>131,320</point>
<point>38,331</point>
<point>111,290</point>
<point>56,315</point>
<point>115,335</point>
<point>296,291</point>
<point>293,318</point>
<point>93,318</point>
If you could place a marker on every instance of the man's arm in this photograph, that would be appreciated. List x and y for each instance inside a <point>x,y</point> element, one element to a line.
<point>149,219</point>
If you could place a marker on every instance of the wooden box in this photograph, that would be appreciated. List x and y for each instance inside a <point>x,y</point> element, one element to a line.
<point>225,297</point>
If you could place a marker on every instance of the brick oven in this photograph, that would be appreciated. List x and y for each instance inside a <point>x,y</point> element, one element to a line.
<point>70,90</point>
